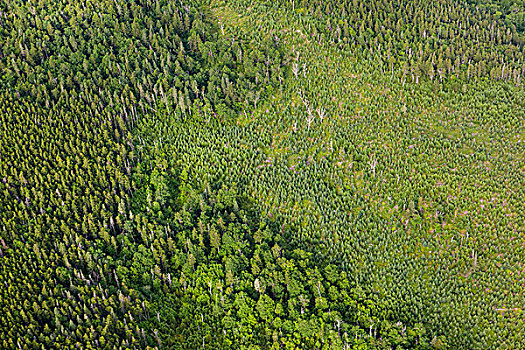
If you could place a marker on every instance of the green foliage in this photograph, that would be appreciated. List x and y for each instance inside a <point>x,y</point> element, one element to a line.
<point>239,281</point>
<point>134,57</point>
<point>262,174</point>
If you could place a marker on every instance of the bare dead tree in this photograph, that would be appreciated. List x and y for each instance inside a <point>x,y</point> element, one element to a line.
<point>256,99</point>
<point>310,117</point>
<point>373,163</point>
<point>295,69</point>
<point>321,113</point>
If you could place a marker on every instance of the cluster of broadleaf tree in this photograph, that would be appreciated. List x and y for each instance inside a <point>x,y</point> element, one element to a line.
<point>295,174</point>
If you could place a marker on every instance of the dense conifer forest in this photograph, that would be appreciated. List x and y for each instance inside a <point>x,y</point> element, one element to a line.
<point>256,174</point>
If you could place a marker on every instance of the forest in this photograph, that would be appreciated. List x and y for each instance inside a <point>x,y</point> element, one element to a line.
<point>262,174</point>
